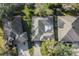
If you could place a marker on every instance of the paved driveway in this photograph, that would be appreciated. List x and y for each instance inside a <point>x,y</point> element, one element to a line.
<point>37,51</point>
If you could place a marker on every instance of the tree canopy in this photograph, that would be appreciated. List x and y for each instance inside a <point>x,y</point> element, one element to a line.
<point>54,48</point>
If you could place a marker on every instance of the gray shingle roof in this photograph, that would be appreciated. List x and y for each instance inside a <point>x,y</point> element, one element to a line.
<point>42,24</point>
<point>72,32</point>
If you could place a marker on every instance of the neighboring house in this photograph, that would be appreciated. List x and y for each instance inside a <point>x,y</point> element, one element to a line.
<point>15,36</point>
<point>70,31</point>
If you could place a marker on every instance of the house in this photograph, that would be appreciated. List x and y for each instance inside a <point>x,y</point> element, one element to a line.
<point>15,35</point>
<point>42,28</point>
<point>69,33</point>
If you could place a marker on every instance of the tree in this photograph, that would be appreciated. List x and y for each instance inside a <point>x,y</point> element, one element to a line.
<point>6,10</point>
<point>54,48</point>
<point>70,9</point>
<point>42,10</point>
<point>26,11</point>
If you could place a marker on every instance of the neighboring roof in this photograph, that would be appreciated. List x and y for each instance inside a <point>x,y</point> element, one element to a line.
<point>36,23</point>
<point>17,25</point>
<point>70,32</point>
<point>14,31</point>
<point>71,36</point>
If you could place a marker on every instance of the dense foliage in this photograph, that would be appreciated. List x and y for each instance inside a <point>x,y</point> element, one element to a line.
<point>53,48</point>
<point>42,10</point>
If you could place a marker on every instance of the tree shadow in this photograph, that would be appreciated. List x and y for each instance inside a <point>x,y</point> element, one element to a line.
<point>27,28</point>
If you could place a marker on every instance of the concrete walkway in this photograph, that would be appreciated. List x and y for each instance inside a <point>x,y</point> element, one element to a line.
<point>37,51</point>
